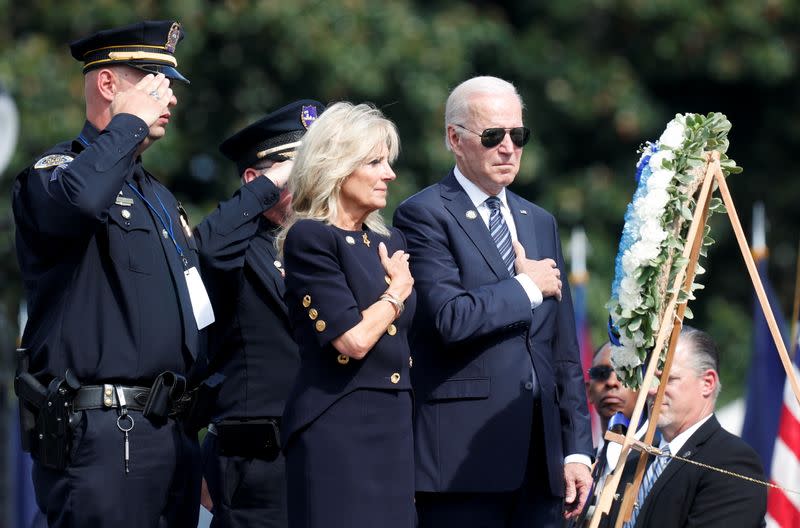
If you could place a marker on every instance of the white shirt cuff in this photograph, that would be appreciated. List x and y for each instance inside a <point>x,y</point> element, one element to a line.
<point>530,287</point>
<point>581,459</point>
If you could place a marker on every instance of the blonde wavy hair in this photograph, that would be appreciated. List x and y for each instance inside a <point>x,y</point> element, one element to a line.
<point>340,140</point>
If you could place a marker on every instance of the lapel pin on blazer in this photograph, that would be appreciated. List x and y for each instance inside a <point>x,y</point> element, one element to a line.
<point>523,211</point>
<point>278,265</point>
<point>471,215</point>
<point>350,240</point>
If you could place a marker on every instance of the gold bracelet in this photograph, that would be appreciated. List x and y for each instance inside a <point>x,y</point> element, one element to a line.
<point>399,306</point>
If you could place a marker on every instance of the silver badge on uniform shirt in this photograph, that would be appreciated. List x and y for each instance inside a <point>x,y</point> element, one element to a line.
<point>53,160</point>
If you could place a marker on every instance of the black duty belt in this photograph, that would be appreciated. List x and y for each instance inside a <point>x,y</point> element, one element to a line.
<point>105,397</point>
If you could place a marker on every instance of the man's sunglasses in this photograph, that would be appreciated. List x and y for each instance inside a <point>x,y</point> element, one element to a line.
<point>491,137</point>
<point>600,372</point>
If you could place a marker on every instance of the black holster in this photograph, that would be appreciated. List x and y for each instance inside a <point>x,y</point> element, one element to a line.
<point>31,396</point>
<point>166,390</point>
<point>55,423</point>
<point>249,438</point>
<point>46,416</point>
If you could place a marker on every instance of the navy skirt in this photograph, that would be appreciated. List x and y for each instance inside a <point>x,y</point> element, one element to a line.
<point>353,467</point>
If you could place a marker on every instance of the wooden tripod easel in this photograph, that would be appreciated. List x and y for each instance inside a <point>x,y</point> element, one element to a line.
<point>671,323</point>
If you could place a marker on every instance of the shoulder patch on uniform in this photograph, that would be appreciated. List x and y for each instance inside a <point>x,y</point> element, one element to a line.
<point>53,160</point>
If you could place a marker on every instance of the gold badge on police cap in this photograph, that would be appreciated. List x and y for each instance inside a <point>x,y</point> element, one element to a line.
<point>172,37</point>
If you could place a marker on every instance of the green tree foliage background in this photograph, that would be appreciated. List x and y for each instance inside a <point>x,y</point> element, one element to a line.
<point>599,77</point>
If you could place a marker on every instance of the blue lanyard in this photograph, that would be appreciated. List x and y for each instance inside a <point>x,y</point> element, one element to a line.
<point>167,226</point>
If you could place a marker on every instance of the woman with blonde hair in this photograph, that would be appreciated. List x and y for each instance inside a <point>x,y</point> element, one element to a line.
<point>347,430</point>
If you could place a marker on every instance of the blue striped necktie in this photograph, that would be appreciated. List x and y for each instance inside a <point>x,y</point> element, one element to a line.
<point>650,478</point>
<point>500,233</point>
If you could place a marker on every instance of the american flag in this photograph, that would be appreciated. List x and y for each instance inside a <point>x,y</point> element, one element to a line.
<point>772,415</point>
<point>783,509</point>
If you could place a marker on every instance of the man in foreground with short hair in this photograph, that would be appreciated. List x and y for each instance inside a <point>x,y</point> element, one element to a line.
<point>675,493</point>
<point>614,403</point>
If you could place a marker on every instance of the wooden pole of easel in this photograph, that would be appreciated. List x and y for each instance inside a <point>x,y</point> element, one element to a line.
<point>759,287</point>
<point>690,252</point>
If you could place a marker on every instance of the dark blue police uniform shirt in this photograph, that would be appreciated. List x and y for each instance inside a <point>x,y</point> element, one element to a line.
<point>332,275</point>
<point>106,292</point>
<point>251,342</point>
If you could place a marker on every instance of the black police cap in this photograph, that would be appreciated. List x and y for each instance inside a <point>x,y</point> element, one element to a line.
<point>274,137</point>
<point>148,46</point>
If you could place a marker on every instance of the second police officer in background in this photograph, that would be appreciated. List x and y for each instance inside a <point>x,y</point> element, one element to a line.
<point>252,345</point>
<point>115,301</point>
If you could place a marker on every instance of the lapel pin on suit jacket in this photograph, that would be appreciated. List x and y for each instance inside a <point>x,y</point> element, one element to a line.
<point>471,215</point>
<point>523,211</point>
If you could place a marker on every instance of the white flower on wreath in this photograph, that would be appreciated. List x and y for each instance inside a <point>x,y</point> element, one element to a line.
<point>657,159</point>
<point>651,231</point>
<point>652,204</point>
<point>673,135</point>
<point>629,294</point>
<point>660,179</point>
<point>629,263</point>
<point>645,250</point>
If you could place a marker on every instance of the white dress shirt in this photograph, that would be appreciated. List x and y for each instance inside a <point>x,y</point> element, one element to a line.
<point>478,199</point>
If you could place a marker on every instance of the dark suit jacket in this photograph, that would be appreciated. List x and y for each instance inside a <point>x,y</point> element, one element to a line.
<point>332,276</point>
<point>474,341</point>
<point>688,495</point>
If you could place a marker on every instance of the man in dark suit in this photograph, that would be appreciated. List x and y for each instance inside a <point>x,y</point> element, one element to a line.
<point>614,404</point>
<point>252,343</point>
<point>683,494</point>
<point>502,430</point>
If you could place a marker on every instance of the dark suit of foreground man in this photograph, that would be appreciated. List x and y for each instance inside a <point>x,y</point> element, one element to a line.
<point>684,494</point>
<point>252,344</point>
<point>499,393</point>
<point>114,301</point>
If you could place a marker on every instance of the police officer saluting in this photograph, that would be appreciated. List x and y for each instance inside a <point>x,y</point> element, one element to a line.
<point>115,301</point>
<point>252,342</point>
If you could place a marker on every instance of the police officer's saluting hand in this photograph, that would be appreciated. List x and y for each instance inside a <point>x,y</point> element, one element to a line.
<point>141,101</point>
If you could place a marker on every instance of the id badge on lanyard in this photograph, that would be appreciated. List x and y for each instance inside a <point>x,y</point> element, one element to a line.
<point>201,304</point>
